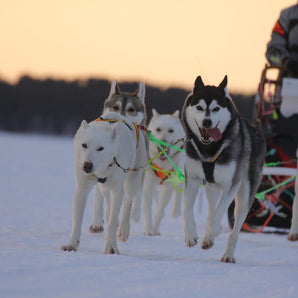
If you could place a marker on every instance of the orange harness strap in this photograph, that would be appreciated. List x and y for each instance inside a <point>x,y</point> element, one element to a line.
<point>160,174</point>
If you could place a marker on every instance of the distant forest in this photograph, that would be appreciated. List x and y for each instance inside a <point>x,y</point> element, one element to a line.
<point>57,107</point>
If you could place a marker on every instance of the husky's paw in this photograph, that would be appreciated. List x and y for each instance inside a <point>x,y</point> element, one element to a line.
<point>206,244</point>
<point>228,259</point>
<point>96,229</point>
<point>190,235</point>
<point>191,241</point>
<point>293,237</point>
<point>175,212</point>
<point>123,233</point>
<point>111,249</point>
<point>70,247</point>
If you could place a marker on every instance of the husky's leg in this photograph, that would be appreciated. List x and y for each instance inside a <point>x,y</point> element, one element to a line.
<point>78,208</point>
<point>107,200</point>
<point>176,210</point>
<point>189,225</point>
<point>212,196</point>
<point>148,194</point>
<point>136,206</point>
<point>111,233</point>
<point>163,200</point>
<point>293,235</point>
<point>216,214</point>
<point>97,222</point>
<point>131,188</point>
<point>240,213</point>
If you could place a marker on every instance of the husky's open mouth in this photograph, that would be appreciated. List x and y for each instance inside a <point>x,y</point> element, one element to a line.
<point>163,156</point>
<point>209,134</point>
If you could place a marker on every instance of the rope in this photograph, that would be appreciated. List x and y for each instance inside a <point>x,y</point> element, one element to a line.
<point>261,195</point>
<point>175,176</point>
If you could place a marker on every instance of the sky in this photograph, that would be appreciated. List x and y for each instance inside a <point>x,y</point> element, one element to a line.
<point>163,43</point>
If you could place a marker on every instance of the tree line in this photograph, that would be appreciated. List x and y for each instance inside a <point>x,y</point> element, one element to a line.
<point>57,107</point>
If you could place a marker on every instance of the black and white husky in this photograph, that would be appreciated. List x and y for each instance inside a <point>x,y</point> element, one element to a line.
<point>225,154</point>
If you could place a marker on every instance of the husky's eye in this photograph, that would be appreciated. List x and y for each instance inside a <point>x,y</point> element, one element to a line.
<point>216,109</point>
<point>199,108</point>
<point>100,148</point>
<point>131,110</point>
<point>116,108</point>
<point>158,129</point>
<point>171,130</point>
<point>84,145</point>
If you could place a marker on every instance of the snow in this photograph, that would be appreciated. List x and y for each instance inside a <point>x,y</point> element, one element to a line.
<point>37,184</point>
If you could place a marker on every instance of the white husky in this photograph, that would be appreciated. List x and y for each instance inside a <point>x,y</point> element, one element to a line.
<point>113,155</point>
<point>167,128</point>
<point>132,107</point>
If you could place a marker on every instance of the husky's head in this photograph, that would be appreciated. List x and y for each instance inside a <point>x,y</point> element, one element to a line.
<point>208,110</point>
<point>129,105</point>
<point>94,145</point>
<point>167,128</point>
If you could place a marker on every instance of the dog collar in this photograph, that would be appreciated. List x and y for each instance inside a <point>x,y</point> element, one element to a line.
<point>213,159</point>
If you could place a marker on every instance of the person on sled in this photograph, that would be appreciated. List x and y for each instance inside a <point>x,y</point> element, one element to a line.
<point>282,49</point>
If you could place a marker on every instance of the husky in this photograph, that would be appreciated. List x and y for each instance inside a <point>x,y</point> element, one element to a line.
<point>132,107</point>
<point>109,152</point>
<point>167,128</point>
<point>293,235</point>
<point>225,154</point>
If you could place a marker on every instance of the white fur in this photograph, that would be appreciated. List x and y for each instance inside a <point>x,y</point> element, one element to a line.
<point>219,197</point>
<point>169,129</point>
<point>98,211</point>
<point>99,143</point>
<point>293,235</point>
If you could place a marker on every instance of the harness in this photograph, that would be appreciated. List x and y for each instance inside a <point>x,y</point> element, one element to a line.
<point>208,165</point>
<point>135,125</point>
<point>160,172</point>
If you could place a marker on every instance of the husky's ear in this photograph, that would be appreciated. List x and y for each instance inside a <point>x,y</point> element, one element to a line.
<point>154,113</point>
<point>199,82</point>
<point>113,130</point>
<point>223,85</point>
<point>176,114</point>
<point>140,92</point>
<point>84,124</point>
<point>114,88</point>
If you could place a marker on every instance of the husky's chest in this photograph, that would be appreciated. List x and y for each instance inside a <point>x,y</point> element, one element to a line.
<point>211,172</point>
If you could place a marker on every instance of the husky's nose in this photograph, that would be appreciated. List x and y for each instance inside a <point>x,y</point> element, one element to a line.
<point>88,165</point>
<point>207,123</point>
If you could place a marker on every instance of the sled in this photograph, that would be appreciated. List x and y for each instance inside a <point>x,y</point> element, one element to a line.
<point>271,211</point>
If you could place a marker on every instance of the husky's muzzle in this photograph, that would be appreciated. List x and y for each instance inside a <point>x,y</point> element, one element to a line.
<point>163,156</point>
<point>209,135</point>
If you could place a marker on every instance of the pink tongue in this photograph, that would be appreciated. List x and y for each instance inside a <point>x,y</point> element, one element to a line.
<point>214,133</point>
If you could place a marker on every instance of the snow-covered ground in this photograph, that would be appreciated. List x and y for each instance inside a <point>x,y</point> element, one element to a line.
<point>37,183</point>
